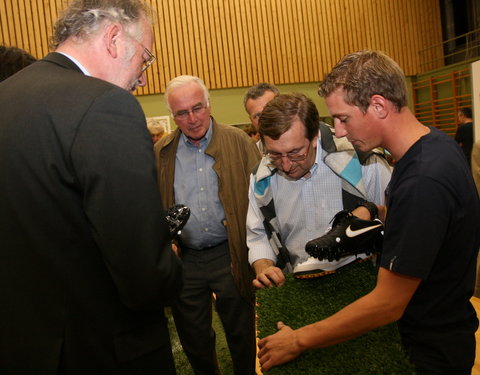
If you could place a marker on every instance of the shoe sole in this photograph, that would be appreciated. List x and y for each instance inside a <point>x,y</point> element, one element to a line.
<point>320,273</point>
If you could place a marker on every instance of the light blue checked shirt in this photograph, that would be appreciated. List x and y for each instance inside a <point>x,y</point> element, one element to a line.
<point>305,207</point>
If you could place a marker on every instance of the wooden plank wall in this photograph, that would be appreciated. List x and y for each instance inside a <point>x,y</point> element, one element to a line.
<point>237,43</point>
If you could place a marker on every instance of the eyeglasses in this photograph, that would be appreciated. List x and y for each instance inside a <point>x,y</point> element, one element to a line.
<point>196,110</point>
<point>292,156</point>
<point>150,61</point>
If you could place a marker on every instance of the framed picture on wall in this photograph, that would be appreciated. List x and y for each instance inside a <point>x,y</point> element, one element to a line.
<point>163,121</point>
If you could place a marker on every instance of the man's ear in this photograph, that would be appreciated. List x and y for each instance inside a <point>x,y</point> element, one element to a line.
<point>379,105</point>
<point>111,39</point>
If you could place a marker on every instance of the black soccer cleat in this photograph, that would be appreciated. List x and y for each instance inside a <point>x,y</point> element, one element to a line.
<point>349,235</point>
<point>177,216</point>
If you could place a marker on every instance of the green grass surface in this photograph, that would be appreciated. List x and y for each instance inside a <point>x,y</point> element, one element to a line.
<point>301,302</point>
<point>181,362</point>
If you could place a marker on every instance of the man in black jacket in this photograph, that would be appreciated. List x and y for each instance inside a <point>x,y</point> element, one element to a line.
<point>86,265</point>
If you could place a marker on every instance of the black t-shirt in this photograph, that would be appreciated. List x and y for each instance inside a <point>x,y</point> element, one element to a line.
<point>464,136</point>
<point>432,232</point>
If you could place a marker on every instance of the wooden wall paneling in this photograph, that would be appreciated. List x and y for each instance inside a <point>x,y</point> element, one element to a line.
<point>246,40</point>
<point>37,46</point>
<point>401,34</point>
<point>274,33</point>
<point>326,38</point>
<point>4,33</point>
<point>12,36</point>
<point>210,47</point>
<point>165,44</point>
<point>218,61</point>
<point>238,43</point>
<point>349,26</point>
<point>202,52</point>
<point>19,42</point>
<point>308,50</point>
<point>184,18</point>
<point>335,13</point>
<point>155,76</point>
<point>312,42</point>
<point>267,60</point>
<point>255,38</point>
<point>25,24</point>
<point>281,51</point>
<point>217,40</point>
<point>178,22</point>
<point>290,39</point>
<point>297,39</point>
<point>318,37</point>
<point>196,41</point>
<point>259,37</point>
<point>232,51</point>
<point>272,46</point>
<point>153,73</point>
<point>371,20</point>
<point>356,31</point>
<point>361,28</point>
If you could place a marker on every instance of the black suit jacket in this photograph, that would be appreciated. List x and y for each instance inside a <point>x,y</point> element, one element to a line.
<point>85,262</point>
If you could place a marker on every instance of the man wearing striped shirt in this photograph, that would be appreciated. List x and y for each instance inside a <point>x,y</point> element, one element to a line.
<point>305,177</point>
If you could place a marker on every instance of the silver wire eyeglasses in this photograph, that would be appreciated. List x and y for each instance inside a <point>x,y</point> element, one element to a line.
<point>292,156</point>
<point>183,114</point>
<point>150,61</point>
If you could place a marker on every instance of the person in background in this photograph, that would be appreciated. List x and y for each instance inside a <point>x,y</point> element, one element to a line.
<point>253,133</point>
<point>13,59</point>
<point>464,135</point>
<point>87,265</point>
<point>156,129</point>
<point>476,164</point>
<point>425,280</point>
<point>206,166</point>
<point>255,100</point>
<point>304,178</point>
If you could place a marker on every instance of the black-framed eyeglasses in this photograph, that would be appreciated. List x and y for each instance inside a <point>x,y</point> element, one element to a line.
<point>183,114</point>
<point>150,61</point>
<point>292,156</point>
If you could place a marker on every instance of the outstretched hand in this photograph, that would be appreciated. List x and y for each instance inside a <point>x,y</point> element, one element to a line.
<point>278,348</point>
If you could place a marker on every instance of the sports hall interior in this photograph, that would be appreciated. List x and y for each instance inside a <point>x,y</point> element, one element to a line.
<point>234,44</point>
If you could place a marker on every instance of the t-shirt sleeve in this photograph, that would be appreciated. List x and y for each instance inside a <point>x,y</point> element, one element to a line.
<point>416,224</point>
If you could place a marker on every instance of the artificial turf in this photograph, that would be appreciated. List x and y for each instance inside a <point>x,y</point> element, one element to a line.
<point>303,301</point>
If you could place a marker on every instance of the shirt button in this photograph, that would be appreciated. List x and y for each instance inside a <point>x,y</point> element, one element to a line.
<point>206,229</point>
<point>200,169</point>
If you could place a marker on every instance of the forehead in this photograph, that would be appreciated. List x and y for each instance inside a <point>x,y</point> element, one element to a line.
<point>336,104</point>
<point>257,104</point>
<point>293,138</point>
<point>186,96</point>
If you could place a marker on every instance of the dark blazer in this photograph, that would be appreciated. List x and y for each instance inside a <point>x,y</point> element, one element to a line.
<point>85,262</point>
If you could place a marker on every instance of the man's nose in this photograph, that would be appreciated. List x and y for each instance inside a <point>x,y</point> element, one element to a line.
<point>340,130</point>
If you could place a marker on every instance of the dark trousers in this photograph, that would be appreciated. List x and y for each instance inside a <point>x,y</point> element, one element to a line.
<point>208,271</point>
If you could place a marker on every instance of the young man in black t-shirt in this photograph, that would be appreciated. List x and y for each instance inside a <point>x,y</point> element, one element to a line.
<point>432,228</point>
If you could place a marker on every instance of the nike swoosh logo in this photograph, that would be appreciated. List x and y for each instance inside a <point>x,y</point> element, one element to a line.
<point>354,233</point>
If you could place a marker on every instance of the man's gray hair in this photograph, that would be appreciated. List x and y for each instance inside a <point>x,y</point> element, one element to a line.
<point>258,90</point>
<point>85,17</point>
<point>184,80</point>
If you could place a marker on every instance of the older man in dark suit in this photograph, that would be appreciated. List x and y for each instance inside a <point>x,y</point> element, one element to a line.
<point>86,264</point>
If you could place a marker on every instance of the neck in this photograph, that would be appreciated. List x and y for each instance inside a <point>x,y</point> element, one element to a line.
<point>403,131</point>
